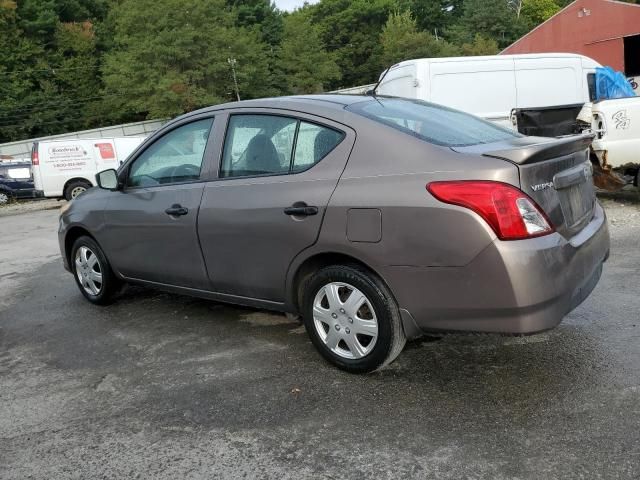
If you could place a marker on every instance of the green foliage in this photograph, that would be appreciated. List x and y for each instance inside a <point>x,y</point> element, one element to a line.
<point>351,29</point>
<point>433,16</point>
<point>480,46</point>
<point>401,40</point>
<point>178,62</point>
<point>492,19</point>
<point>537,11</point>
<point>306,65</point>
<point>73,64</point>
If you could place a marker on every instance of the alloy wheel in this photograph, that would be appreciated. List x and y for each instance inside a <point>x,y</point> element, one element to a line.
<point>345,320</point>
<point>89,271</point>
<point>4,198</point>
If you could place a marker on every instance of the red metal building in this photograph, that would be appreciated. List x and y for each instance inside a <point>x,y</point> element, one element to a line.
<point>606,30</point>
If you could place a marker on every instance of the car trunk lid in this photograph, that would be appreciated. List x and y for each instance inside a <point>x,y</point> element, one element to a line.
<point>555,172</point>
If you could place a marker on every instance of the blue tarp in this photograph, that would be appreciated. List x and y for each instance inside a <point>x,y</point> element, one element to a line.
<point>612,84</point>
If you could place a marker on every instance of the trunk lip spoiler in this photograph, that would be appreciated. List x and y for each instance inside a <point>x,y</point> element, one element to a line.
<point>537,152</point>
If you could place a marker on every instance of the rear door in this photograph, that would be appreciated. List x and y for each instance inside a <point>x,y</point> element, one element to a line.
<point>277,173</point>
<point>548,81</point>
<point>104,153</point>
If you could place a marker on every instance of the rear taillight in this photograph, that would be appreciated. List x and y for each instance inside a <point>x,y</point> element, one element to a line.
<point>509,211</point>
<point>35,159</point>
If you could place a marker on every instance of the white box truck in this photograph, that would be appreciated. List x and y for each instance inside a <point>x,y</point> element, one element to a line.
<point>66,168</point>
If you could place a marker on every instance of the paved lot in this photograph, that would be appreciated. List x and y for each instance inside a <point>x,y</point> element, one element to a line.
<point>163,386</point>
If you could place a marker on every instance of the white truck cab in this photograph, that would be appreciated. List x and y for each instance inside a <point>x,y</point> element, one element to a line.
<point>616,123</point>
<point>66,168</point>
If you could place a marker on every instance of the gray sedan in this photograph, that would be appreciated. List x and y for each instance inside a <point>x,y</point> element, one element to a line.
<point>375,219</point>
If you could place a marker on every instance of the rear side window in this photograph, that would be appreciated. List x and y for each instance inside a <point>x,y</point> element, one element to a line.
<point>274,145</point>
<point>432,123</point>
<point>313,144</point>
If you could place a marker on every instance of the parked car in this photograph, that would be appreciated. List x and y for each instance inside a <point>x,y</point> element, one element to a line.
<point>66,168</point>
<point>375,219</point>
<point>16,181</point>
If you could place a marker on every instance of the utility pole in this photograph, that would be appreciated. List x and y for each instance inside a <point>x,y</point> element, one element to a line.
<point>232,62</point>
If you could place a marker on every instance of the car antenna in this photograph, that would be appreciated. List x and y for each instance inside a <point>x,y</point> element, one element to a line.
<point>372,92</point>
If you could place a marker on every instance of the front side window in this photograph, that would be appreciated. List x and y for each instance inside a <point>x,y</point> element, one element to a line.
<point>174,158</point>
<point>274,145</point>
<point>432,123</point>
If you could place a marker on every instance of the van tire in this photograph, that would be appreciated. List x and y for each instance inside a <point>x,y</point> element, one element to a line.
<point>76,188</point>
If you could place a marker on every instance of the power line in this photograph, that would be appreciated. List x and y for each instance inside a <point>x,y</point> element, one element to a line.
<point>68,119</point>
<point>55,106</point>
<point>50,70</point>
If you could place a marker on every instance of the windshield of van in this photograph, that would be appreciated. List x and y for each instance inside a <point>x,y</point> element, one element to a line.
<point>430,122</point>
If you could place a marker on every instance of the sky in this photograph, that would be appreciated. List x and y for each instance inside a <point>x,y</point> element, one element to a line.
<point>289,5</point>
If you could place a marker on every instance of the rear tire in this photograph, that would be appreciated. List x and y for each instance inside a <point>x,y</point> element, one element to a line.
<point>92,272</point>
<point>4,198</point>
<point>352,318</point>
<point>75,188</point>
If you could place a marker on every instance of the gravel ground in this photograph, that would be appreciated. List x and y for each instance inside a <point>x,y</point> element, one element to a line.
<point>163,386</point>
<point>25,206</point>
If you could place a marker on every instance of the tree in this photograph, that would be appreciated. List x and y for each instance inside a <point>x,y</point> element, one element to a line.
<point>351,29</point>
<point>480,46</point>
<point>48,69</point>
<point>493,19</point>
<point>178,62</point>
<point>433,16</point>
<point>306,65</point>
<point>534,12</point>
<point>261,14</point>
<point>401,41</point>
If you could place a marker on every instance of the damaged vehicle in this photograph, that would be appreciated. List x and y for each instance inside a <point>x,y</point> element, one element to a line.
<point>375,219</point>
<point>612,114</point>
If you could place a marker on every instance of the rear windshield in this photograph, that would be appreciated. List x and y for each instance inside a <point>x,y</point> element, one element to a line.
<point>432,123</point>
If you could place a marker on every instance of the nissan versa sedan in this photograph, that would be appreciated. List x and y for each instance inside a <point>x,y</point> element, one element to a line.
<point>375,219</point>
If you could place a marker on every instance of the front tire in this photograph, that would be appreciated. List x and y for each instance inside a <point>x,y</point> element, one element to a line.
<point>352,318</point>
<point>92,272</point>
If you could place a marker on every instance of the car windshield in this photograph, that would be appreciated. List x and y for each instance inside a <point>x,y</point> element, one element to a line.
<point>430,122</point>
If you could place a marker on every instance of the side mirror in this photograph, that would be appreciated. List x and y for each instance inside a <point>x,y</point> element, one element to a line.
<point>107,179</point>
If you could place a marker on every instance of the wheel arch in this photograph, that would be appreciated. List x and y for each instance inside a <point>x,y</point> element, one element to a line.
<point>319,260</point>
<point>315,262</point>
<point>71,236</point>
<point>76,179</point>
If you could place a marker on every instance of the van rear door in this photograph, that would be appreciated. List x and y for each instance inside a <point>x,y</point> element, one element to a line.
<point>104,153</point>
<point>549,81</point>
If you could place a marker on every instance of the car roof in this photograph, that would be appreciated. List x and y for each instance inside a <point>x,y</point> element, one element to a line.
<point>305,103</point>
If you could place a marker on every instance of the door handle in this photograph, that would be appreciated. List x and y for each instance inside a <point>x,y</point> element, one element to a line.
<point>301,210</point>
<point>176,210</point>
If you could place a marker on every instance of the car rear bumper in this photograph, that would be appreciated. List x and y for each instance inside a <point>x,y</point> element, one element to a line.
<point>515,287</point>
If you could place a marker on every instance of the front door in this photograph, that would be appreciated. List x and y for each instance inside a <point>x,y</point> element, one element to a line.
<point>150,225</point>
<point>276,177</point>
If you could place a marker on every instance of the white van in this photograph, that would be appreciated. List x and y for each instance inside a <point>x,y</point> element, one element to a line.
<point>491,86</point>
<point>66,168</point>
